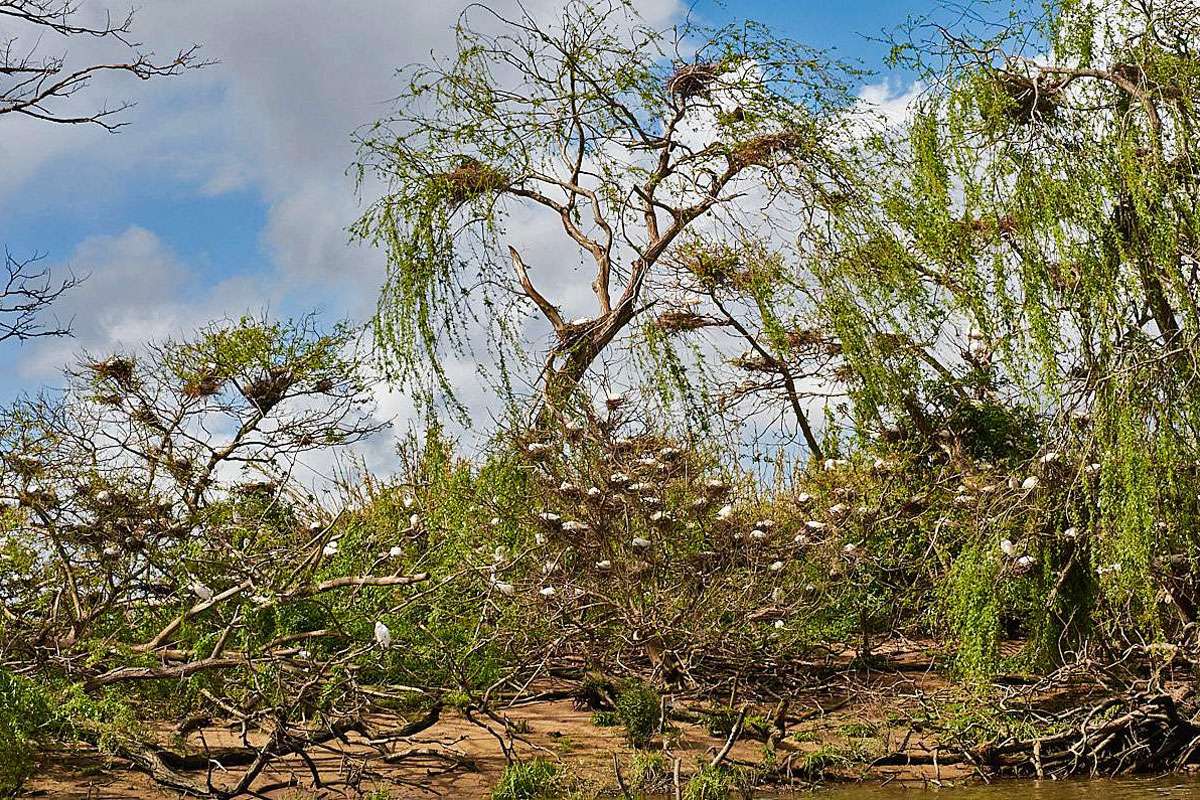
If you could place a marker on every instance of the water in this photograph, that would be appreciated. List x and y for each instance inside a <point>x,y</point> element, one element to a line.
<point>1168,788</point>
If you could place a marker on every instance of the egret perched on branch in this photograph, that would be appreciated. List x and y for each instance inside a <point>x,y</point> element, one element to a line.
<point>382,635</point>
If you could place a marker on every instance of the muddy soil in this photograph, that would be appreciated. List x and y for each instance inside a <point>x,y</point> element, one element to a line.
<point>840,727</point>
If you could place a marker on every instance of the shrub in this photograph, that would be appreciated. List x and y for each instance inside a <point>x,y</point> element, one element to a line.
<point>639,711</point>
<point>23,710</point>
<point>533,780</point>
<point>710,783</point>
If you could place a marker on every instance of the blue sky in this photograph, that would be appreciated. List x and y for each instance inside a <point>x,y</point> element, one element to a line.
<point>228,191</point>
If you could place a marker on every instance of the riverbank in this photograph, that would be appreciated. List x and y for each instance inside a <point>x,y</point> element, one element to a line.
<point>895,721</point>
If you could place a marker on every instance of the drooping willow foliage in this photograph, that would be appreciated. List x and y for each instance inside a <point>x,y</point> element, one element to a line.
<point>1036,234</point>
<point>1010,274</point>
<point>597,125</point>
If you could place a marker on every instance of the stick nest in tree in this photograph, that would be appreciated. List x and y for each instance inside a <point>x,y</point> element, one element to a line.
<point>267,391</point>
<point>760,150</point>
<point>691,80</point>
<point>116,369</point>
<point>203,386</point>
<point>472,178</point>
<point>680,321</point>
<point>813,339</point>
<point>1031,97</point>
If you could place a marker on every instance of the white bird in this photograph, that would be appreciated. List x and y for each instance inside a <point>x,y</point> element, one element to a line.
<point>804,498</point>
<point>503,588</point>
<point>396,551</point>
<point>202,591</point>
<point>382,635</point>
<point>494,521</point>
<point>414,520</point>
<point>778,624</point>
<point>659,516</point>
<point>549,517</point>
<point>103,496</point>
<point>547,591</point>
<point>537,448</point>
<point>313,527</point>
<point>838,510</point>
<point>574,526</point>
<point>1032,482</point>
<point>112,550</point>
<point>715,486</point>
<point>1025,562</point>
<point>1071,533</point>
<point>618,478</point>
<point>1050,457</point>
<point>776,566</point>
<point>1091,469</point>
<point>638,541</point>
<point>758,535</point>
<point>765,524</point>
<point>539,538</point>
<point>815,525</point>
<point>605,564</point>
<point>409,502</point>
<point>594,491</point>
<point>725,513</point>
<point>777,595</point>
<point>849,548</point>
<point>1008,548</point>
<point>331,548</point>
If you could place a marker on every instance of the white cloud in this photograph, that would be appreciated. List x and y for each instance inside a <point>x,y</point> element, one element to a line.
<point>136,290</point>
<point>893,101</point>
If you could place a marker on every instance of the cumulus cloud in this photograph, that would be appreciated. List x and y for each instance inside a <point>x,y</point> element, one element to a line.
<point>137,290</point>
<point>893,101</point>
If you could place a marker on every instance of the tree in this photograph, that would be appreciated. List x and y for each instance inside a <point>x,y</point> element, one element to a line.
<point>43,86</point>
<point>597,123</point>
<point>1037,249</point>
<point>153,528</point>
<point>39,86</point>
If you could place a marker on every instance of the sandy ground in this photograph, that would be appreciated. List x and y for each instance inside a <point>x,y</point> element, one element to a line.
<point>461,760</point>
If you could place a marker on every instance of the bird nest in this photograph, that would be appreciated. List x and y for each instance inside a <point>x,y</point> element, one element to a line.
<point>813,339</point>
<point>267,391</point>
<point>471,178</point>
<point>755,363</point>
<point>691,80</point>
<point>1030,98</point>
<point>761,150</point>
<point>680,321</point>
<point>203,386</point>
<point>116,369</point>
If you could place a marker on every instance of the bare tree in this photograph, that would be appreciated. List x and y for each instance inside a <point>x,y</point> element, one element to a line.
<point>28,290</point>
<point>42,85</point>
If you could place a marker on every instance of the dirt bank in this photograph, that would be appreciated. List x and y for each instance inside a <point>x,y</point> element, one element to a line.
<point>856,723</point>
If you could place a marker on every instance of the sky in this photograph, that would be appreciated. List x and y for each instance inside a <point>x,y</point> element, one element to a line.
<point>229,192</point>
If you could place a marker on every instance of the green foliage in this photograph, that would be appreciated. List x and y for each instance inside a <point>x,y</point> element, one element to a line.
<point>25,714</point>
<point>530,780</point>
<point>709,783</point>
<point>639,710</point>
